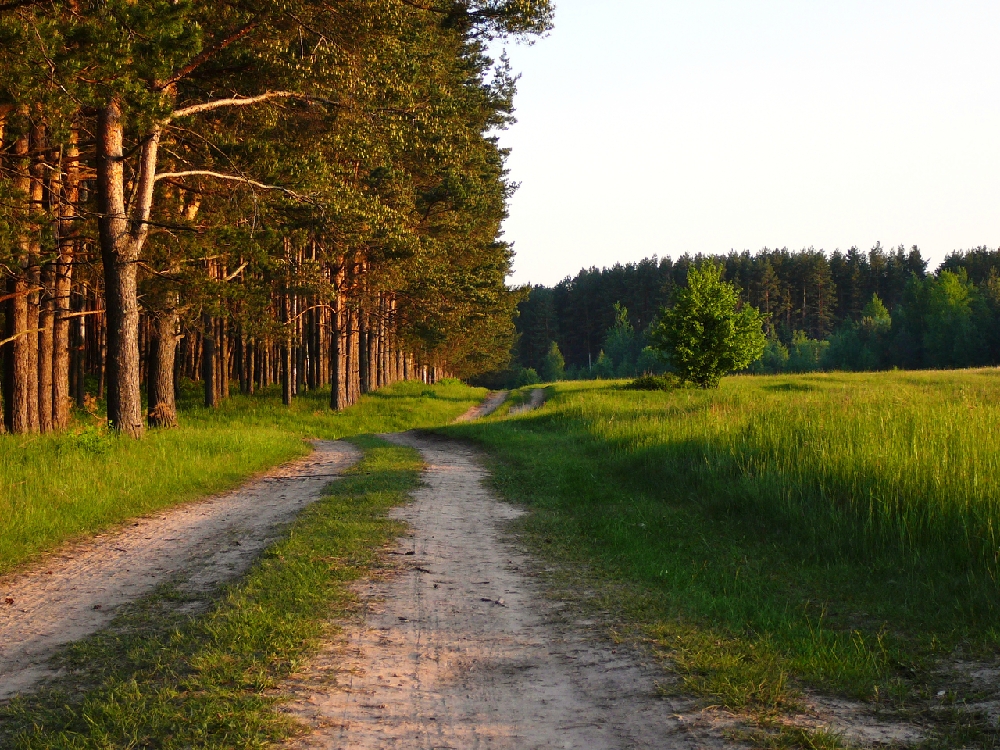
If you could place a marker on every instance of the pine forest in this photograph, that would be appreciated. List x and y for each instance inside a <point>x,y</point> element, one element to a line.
<point>302,193</point>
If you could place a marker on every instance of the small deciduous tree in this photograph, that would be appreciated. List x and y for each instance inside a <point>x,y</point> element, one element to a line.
<point>707,334</point>
<point>553,366</point>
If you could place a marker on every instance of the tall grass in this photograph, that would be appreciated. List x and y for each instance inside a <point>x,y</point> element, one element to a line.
<point>898,465</point>
<point>836,529</point>
<point>54,488</point>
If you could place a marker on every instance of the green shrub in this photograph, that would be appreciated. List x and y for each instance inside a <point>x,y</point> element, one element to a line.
<point>666,382</point>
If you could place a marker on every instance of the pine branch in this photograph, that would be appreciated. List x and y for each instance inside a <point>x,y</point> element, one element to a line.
<point>243,101</point>
<point>206,55</point>
<point>230,177</point>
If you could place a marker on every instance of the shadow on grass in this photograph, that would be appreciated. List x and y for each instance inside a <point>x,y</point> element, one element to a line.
<point>750,581</point>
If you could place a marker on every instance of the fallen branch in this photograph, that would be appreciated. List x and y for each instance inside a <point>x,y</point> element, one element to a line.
<point>308,309</point>
<point>244,101</point>
<point>237,272</point>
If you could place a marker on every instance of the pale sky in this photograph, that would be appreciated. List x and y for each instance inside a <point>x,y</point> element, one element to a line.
<point>672,126</point>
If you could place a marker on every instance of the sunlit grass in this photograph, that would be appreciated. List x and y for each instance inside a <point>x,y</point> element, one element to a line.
<point>165,679</point>
<point>54,488</point>
<point>833,530</point>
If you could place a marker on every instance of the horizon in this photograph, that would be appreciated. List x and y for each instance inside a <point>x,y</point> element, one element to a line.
<point>671,127</point>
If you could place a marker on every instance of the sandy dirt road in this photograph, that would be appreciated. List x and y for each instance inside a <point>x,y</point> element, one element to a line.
<point>483,409</point>
<point>202,544</point>
<point>460,648</point>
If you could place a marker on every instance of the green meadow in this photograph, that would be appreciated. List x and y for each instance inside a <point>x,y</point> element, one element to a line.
<point>55,488</point>
<point>830,531</point>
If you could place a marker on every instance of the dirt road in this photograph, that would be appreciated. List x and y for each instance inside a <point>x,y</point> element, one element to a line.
<point>460,649</point>
<point>76,593</point>
<point>483,409</point>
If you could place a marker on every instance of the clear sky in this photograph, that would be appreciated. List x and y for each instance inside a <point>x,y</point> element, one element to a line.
<point>672,126</point>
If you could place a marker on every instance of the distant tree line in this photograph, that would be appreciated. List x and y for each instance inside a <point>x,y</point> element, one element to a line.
<point>849,310</point>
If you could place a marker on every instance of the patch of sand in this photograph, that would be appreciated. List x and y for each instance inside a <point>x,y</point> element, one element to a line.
<point>536,400</point>
<point>488,405</point>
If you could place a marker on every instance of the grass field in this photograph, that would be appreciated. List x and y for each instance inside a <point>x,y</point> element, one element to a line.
<point>161,678</point>
<point>54,488</point>
<point>831,531</point>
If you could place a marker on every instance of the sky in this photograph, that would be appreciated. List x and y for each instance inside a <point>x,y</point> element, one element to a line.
<point>671,126</point>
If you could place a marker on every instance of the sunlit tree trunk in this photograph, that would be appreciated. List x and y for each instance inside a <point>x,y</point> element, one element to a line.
<point>17,372</point>
<point>70,190</point>
<point>121,240</point>
<point>162,410</point>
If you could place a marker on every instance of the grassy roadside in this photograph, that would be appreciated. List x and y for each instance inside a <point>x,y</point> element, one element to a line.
<point>55,488</point>
<point>159,678</point>
<point>826,532</point>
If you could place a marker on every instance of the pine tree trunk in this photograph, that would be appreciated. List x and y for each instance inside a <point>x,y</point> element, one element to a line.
<point>208,359</point>
<point>46,354</point>
<point>17,372</point>
<point>160,391</point>
<point>17,365</point>
<point>80,360</point>
<point>242,358</point>
<point>61,398</point>
<point>338,369</point>
<point>223,356</point>
<point>287,374</point>
<point>119,252</point>
<point>353,371</point>
<point>362,351</point>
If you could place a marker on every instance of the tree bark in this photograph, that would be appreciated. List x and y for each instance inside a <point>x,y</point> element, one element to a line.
<point>46,358</point>
<point>17,374</point>
<point>121,241</point>
<point>160,371</point>
<point>222,355</point>
<point>61,398</point>
<point>287,373</point>
<point>338,363</point>
<point>362,351</point>
<point>39,309</point>
<point>208,359</point>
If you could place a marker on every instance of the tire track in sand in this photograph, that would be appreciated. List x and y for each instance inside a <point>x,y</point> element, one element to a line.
<point>72,594</point>
<point>461,649</point>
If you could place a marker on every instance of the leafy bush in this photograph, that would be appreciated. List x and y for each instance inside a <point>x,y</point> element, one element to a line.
<point>525,376</point>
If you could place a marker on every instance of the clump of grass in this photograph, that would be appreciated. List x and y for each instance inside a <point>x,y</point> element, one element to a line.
<point>667,382</point>
<point>157,678</point>
<point>54,488</point>
<point>836,531</point>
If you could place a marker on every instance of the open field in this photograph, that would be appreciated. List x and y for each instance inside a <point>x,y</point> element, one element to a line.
<point>55,488</point>
<point>824,532</point>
